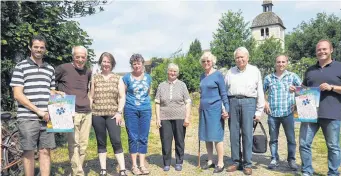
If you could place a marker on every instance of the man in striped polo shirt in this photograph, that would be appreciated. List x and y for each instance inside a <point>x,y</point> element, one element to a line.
<point>279,107</point>
<point>33,81</point>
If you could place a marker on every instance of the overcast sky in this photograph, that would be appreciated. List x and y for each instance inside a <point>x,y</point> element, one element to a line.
<point>159,28</point>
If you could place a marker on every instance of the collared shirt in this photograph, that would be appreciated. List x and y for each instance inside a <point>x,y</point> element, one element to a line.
<point>171,85</point>
<point>172,97</point>
<point>330,101</point>
<point>246,83</point>
<point>279,96</point>
<point>37,82</point>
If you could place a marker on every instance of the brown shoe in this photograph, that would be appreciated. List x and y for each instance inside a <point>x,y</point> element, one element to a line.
<point>232,168</point>
<point>247,171</point>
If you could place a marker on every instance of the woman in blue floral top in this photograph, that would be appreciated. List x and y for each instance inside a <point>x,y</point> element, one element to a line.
<point>137,112</point>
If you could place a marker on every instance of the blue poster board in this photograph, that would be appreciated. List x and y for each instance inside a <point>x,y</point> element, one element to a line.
<point>307,103</point>
<point>61,110</point>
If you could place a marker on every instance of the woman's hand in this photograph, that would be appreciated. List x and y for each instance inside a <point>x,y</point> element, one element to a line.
<point>186,122</point>
<point>118,118</point>
<point>224,115</point>
<point>158,123</point>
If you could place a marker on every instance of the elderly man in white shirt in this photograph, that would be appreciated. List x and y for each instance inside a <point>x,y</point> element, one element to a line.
<point>246,96</point>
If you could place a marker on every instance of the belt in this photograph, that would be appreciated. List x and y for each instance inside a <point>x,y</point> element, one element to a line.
<point>238,96</point>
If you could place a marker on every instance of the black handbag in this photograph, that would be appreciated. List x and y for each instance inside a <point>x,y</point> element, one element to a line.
<point>260,142</point>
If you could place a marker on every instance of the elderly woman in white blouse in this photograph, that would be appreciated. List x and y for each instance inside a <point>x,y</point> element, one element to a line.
<point>173,108</point>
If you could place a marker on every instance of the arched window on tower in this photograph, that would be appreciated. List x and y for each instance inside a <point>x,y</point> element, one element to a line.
<point>266,32</point>
<point>262,33</point>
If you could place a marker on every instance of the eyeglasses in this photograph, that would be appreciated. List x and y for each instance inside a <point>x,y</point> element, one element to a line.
<point>208,61</point>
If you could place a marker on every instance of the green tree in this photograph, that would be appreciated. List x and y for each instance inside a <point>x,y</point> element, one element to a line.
<point>264,55</point>
<point>159,74</point>
<point>300,66</point>
<point>195,49</point>
<point>20,20</point>
<point>190,71</point>
<point>232,33</point>
<point>302,41</point>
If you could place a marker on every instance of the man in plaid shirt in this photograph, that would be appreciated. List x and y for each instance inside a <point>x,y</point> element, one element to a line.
<point>279,106</point>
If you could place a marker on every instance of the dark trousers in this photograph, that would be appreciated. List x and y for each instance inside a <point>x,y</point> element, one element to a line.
<point>101,124</point>
<point>168,130</point>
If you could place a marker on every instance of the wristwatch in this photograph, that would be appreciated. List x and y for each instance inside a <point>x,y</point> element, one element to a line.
<point>332,88</point>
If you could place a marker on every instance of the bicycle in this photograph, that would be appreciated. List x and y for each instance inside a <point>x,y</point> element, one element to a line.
<point>11,163</point>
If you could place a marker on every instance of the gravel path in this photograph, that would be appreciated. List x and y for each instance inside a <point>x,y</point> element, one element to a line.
<point>260,161</point>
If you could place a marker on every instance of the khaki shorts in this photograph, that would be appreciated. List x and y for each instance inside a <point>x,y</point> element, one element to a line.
<point>33,135</point>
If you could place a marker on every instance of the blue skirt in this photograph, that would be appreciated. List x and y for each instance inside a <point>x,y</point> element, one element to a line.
<point>211,125</point>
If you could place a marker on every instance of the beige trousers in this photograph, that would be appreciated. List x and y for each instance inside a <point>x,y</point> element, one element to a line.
<point>78,142</point>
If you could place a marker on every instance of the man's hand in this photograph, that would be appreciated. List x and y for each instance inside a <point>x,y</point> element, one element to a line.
<point>186,122</point>
<point>57,92</point>
<point>256,118</point>
<point>292,89</point>
<point>46,117</point>
<point>267,108</point>
<point>224,115</point>
<point>325,87</point>
<point>158,123</point>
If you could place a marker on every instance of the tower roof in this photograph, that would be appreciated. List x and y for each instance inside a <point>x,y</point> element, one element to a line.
<point>266,19</point>
<point>267,2</point>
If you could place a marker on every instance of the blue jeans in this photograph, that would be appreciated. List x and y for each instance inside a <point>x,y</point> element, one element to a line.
<point>288,124</point>
<point>242,112</point>
<point>331,132</point>
<point>137,125</point>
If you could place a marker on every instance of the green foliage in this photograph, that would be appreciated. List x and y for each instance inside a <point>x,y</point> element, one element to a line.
<point>190,70</point>
<point>156,61</point>
<point>264,56</point>
<point>195,49</point>
<point>20,20</point>
<point>159,74</point>
<point>232,33</point>
<point>299,67</point>
<point>302,41</point>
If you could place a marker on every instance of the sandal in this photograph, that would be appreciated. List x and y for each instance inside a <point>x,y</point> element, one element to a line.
<point>144,170</point>
<point>123,173</point>
<point>103,172</point>
<point>135,170</point>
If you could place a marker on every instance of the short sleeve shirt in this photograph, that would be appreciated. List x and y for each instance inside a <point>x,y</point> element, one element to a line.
<point>330,102</point>
<point>37,82</point>
<point>137,96</point>
<point>279,96</point>
<point>172,97</point>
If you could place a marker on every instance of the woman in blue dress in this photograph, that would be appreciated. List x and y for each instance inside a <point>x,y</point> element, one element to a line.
<point>213,111</point>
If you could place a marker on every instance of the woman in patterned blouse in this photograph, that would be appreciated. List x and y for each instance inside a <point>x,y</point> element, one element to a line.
<point>173,109</point>
<point>137,112</point>
<point>107,97</point>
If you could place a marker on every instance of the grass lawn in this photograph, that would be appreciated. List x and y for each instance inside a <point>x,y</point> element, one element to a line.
<point>61,165</point>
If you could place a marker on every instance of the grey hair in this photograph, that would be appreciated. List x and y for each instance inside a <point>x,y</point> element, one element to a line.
<point>173,66</point>
<point>241,49</point>
<point>208,55</point>
<point>81,47</point>
<point>136,58</point>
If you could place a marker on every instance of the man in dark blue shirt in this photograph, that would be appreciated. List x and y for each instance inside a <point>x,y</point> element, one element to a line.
<point>326,74</point>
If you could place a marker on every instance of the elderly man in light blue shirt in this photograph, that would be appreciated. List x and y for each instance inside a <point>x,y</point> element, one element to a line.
<point>246,96</point>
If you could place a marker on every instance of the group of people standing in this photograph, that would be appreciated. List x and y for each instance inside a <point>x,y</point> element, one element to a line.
<point>104,99</point>
<point>241,97</point>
